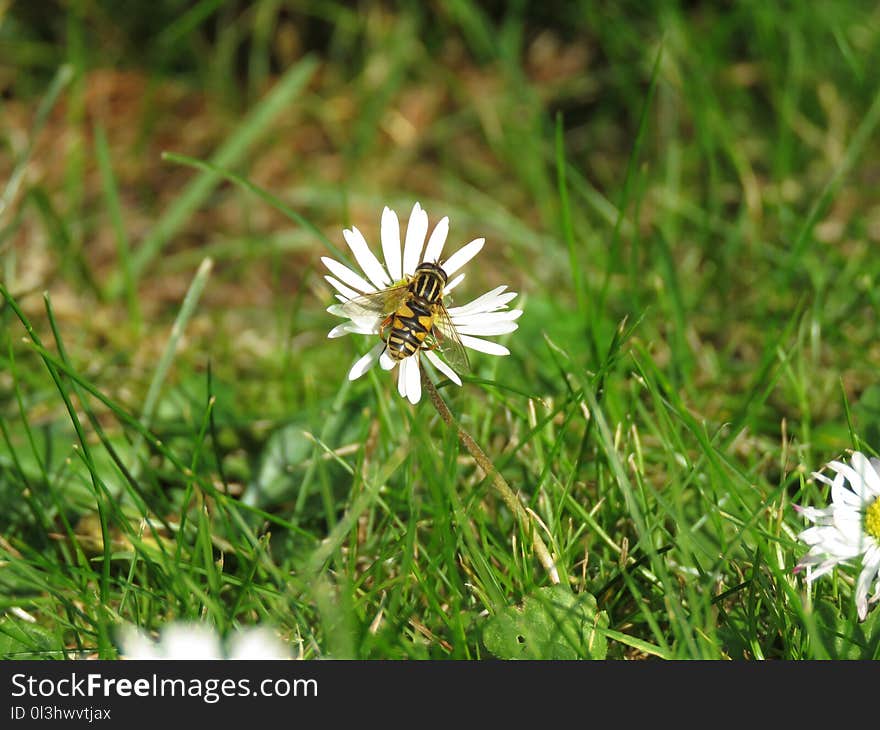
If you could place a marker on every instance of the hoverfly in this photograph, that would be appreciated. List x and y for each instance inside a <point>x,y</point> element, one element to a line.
<point>413,316</point>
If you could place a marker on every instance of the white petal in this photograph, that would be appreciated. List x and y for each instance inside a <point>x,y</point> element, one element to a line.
<point>866,470</point>
<point>839,549</point>
<point>490,348</point>
<point>136,644</point>
<point>501,327</point>
<point>828,539</point>
<point>812,513</point>
<point>823,569</point>
<point>390,234</point>
<point>442,367</point>
<point>478,318</point>
<point>462,256</point>
<point>338,331</point>
<point>493,315</point>
<point>856,483</point>
<point>386,362</point>
<point>824,536</point>
<point>413,380</point>
<point>342,288</point>
<point>401,376</point>
<point>849,524</point>
<point>844,549</point>
<point>365,327</point>
<point>366,362</point>
<point>452,283</point>
<point>812,535</point>
<point>491,301</point>
<point>416,230</point>
<point>870,564</point>
<point>436,241</point>
<point>190,641</point>
<point>365,258</point>
<point>477,303</point>
<point>257,643</point>
<point>348,276</point>
<point>361,322</point>
<point>809,561</point>
<point>841,495</point>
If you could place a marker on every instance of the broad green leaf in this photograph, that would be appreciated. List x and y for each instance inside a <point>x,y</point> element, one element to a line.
<point>553,623</point>
<point>845,639</point>
<point>286,448</point>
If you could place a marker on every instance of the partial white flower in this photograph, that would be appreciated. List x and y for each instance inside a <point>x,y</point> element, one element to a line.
<point>848,528</point>
<point>200,641</point>
<point>485,316</point>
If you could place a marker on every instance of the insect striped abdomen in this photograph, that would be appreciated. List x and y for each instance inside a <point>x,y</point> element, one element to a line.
<point>410,324</point>
<point>413,320</point>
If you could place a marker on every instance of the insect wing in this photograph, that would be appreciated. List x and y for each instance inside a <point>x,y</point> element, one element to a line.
<point>375,304</point>
<point>449,342</point>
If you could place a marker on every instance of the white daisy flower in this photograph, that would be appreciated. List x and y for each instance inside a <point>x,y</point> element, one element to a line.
<point>199,641</point>
<point>848,528</point>
<point>486,315</point>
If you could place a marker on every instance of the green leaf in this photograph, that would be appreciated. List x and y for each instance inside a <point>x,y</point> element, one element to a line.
<point>553,623</point>
<point>845,639</point>
<point>286,448</point>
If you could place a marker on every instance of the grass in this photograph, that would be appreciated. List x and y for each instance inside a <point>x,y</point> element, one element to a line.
<point>685,198</point>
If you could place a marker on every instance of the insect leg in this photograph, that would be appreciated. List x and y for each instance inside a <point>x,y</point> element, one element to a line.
<point>384,324</point>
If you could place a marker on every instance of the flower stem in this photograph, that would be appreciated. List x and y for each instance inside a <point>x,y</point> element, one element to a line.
<point>501,487</point>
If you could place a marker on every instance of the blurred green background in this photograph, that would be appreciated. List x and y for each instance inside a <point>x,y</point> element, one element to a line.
<point>684,193</point>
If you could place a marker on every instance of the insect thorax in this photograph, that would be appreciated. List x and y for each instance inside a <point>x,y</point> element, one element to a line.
<point>428,282</point>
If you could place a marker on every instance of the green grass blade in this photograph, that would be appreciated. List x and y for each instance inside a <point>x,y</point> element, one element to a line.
<point>574,262</point>
<point>630,177</point>
<point>62,78</point>
<point>114,209</point>
<point>264,195</point>
<point>187,309</point>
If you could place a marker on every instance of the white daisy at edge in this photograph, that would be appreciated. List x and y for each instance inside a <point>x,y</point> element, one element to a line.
<point>848,528</point>
<point>182,640</point>
<point>487,315</point>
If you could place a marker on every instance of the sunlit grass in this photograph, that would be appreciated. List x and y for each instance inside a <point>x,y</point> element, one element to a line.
<point>685,199</point>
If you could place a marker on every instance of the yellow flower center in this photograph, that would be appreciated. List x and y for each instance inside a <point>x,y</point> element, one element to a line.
<point>872,519</point>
